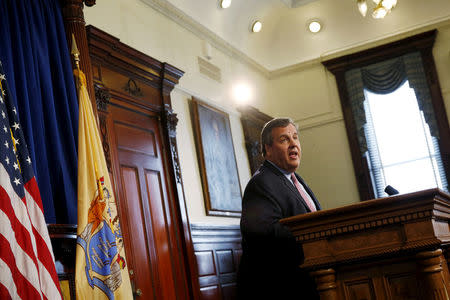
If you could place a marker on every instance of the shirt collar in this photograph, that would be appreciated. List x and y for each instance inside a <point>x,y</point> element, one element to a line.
<point>284,172</point>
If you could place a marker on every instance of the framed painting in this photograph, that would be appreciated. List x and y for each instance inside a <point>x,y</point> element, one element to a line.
<point>217,161</point>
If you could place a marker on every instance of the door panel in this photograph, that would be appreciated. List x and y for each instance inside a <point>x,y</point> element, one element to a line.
<point>159,223</point>
<point>145,202</point>
<point>139,252</point>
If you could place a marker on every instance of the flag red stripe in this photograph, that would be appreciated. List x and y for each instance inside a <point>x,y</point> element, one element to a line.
<point>21,234</point>
<point>24,288</point>
<point>33,189</point>
<point>4,294</point>
<point>45,257</point>
<point>40,232</point>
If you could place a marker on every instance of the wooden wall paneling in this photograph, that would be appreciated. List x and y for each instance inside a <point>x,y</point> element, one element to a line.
<point>144,160</point>
<point>218,251</point>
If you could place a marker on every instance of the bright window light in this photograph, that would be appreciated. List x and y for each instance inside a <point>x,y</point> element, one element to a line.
<point>402,151</point>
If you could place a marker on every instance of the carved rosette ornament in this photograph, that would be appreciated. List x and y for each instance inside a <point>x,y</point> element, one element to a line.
<point>171,121</point>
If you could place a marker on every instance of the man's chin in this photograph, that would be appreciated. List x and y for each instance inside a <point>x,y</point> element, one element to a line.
<point>294,166</point>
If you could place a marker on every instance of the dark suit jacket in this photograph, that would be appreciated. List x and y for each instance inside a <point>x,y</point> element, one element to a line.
<point>270,259</point>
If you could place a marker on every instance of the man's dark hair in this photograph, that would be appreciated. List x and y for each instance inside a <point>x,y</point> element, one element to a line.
<point>266,133</point>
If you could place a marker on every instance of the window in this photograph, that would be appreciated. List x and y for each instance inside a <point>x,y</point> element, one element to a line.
<point>389,136</point>
<point>402,152</point>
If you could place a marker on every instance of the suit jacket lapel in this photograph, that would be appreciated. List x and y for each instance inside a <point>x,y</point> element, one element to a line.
<point>290,185</point>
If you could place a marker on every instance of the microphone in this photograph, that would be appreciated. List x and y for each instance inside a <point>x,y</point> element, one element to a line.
<point>390,190</point>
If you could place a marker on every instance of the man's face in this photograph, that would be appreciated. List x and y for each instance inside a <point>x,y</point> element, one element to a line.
<point>285,151</point>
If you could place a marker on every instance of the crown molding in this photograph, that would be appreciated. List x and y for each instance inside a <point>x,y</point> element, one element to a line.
<point>175,14</point>
<point>172,12</point>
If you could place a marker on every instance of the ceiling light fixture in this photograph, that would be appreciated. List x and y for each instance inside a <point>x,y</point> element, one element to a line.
<point>314,26</point>
<point>383,7</point>
<point>225,3</point>
<point>256,26</point>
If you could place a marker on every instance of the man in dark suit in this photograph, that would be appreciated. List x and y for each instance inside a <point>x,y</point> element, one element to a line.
<point>270,260</point>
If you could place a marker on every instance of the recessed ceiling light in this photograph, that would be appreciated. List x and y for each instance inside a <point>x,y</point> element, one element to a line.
<point>256,26</point>
<point>314,26</point>
<point>225,3</point>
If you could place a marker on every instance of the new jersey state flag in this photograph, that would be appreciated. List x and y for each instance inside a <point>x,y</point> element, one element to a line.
<point>101,267</point>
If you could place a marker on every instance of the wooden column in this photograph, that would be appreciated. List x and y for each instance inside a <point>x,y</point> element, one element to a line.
<point>169,77</point>
<point>74,23</point>
<point>429,265</point>
<point>326,284</point>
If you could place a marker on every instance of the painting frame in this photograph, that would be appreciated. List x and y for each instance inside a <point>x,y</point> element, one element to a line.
<point>217,160</point>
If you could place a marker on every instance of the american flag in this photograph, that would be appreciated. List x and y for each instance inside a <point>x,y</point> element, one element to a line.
<point>27,265</point>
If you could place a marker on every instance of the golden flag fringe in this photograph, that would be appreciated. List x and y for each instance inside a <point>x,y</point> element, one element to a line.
<point>101,271</point>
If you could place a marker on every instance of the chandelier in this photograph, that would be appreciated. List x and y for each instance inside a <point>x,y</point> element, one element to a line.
<point>383,7</point>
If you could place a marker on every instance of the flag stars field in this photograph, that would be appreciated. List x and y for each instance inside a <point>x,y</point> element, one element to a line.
<point>25,248</point>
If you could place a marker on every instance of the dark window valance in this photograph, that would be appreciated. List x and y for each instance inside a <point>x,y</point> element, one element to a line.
<point>384,78</point>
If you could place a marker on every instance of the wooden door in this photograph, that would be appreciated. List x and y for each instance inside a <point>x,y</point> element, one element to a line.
<point>138,132</point>
<point>146,217</point>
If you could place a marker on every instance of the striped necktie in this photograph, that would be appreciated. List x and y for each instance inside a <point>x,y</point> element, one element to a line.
<point>302,192</point>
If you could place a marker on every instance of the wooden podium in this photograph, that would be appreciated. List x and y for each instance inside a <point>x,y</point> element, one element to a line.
<point>389,248</point>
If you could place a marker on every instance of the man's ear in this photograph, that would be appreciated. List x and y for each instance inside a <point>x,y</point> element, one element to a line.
<point>268,150</point>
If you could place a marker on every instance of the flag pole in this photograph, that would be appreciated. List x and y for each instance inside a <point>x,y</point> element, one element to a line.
<point>75,52</point>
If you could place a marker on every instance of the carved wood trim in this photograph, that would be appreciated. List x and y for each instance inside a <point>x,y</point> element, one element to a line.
<point>429,265</point>
<point>393,221</point>
<point>171,121</point>
<point>326,283</point>
<point>252,123</point>
<point>338,66</point>
<point>103,97</point>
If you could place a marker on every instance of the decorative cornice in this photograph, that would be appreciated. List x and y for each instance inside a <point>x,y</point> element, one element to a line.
<point>172,12</point>
<point>179,17</point>
<point>379,221</point>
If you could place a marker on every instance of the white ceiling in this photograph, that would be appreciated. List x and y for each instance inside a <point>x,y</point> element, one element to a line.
<point>284,40</point>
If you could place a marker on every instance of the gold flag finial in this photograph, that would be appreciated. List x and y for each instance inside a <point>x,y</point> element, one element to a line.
<point>75,52</point>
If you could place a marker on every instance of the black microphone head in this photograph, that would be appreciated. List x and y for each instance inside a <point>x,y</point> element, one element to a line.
<point>390,190</point>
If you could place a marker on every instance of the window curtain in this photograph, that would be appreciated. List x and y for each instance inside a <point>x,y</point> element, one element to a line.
<point>384,78</point>
<point>35,57</point>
